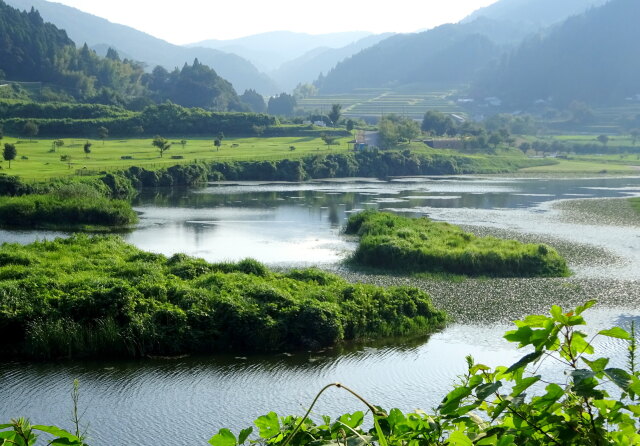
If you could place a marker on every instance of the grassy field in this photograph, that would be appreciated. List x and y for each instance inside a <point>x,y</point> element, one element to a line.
<point>44,163</point>
<point>368,103</point>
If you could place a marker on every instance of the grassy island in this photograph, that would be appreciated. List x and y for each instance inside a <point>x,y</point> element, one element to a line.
<point>415,245</point>
<point>70,206</point>
<point>89,296</point>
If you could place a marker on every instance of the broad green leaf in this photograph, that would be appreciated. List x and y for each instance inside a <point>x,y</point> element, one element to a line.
<point>558,315</point>
<point>598,365</point>
<point>65,442</point>
<point>506,440</point>
<point>55,431</point>
<point>536,320</point>
<point>5,426</point>
<point>582,308</point>
<point>483,391</point>
<point>268,424</point>
<point>244,434</point>
<point>458,438</point>
<point>525,360</point>
<point>224,437</point>
<point>619,377</point>
<point>522,335</point>
<point>452,401</point>
<point>616,332</point>
<point>352,420</point>
<point>524,384</point>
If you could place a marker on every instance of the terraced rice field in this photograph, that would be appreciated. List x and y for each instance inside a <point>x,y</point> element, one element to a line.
<point>373,103</point>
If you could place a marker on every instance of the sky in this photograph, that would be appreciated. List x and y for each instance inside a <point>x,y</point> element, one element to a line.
<point>189,21</point>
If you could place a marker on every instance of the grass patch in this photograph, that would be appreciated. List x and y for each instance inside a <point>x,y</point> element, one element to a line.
<point>421,245</point>
<point>73,206</point>
<point>90,296</point>
<point>635,204</point>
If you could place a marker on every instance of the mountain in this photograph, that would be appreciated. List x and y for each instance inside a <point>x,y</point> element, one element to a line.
<point>448,53</point>
<point>532,15</point>
<point>306,68</point>
<point>268,51</point>
<point>592,58</point>
<point>453,52</point>
<point>34,51</point>
<point>86,28</point>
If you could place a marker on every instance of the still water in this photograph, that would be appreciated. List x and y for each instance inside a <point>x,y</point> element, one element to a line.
<point>159,401</point>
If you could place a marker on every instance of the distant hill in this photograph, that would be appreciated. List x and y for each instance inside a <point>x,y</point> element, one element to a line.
<point>592,58</point>
<point>453,52</point>
<point>268,51</point>
<point>532,15</point>
<point>306,68</point>
<point>448,53</point>
<point>95,31</point>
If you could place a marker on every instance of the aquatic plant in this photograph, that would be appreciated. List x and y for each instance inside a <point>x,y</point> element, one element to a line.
<point>399,243</point>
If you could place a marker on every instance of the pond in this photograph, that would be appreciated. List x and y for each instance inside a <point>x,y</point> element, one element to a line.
<point>155,401</point>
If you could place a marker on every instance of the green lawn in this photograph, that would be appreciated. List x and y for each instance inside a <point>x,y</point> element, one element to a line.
<point>43,163</point>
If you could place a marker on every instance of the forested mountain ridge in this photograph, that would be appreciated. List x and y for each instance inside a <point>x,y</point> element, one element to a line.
<point>96,31</point>
<point>453,52</point>
<point>448,53</point>
<point>591,58</point>
<point>34,51</point>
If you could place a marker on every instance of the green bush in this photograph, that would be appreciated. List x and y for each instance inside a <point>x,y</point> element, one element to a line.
<point>89,296</point>
<point>393,242</point>
<point>68,206</point>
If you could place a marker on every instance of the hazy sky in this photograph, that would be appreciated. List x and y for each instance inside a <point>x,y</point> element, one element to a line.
<point>188,21</point>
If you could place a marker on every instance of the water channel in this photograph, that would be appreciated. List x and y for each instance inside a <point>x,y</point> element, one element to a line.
<point>156,401</point>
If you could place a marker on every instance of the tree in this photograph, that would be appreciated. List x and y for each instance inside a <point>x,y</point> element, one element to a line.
<point>283,104</point>
<point>335,113</point>
<point>494,140</point>
<point>87,149</point>
<point>30,129</point>
<point>437,123</point>
<point>1,133</point>
<point>9,153</point>
<point>103,133</point>
<point>329,139</point>
<point>603,139</point>
<point>183,142</point>
<point>350,125</point>
<point>57,144</point>
<point>254,100</point>
<point>217,143</point>
<point>162,144</point>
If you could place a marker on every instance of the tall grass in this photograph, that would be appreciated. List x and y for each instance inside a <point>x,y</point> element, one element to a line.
<point>97,296</point>
<point>416,245</point>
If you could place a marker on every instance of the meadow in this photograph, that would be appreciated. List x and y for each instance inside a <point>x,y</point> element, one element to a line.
<point>45,162</point>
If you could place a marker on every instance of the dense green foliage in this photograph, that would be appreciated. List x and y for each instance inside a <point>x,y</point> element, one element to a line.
<point>57,120</point>
<point>635,204</point>
<point>394,129</point>
<point>407,244</point>
<point>99,296</point>
<point>505,406</point>
<point>557,66</point>
<point>35,51</point>
<point>69,206</point>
